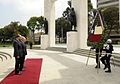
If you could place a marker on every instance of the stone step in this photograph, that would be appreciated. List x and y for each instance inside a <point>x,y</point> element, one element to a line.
<point>4,55</point>
<point>85,52</point>
<point>56,49</point>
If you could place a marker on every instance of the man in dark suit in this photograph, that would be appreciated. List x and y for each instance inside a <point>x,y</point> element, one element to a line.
<point>98,53</point>
<point>17,54</point>
<point>24,51</point>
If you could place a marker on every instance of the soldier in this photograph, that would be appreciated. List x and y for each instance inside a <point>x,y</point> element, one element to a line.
<point>106,59</point>
<point>98,53</point>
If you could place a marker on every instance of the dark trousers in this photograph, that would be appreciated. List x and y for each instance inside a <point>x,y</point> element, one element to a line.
<point>106,61</point>
<point>22,63</point>
<point>97,60</point>
<point>30,46</point>
<point>98,55</point>
<point>17,65</point>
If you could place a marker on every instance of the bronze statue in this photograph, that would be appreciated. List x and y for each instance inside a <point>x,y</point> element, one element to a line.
<point>73,18</point>
<point>69,14</point>
<point>46,26</point>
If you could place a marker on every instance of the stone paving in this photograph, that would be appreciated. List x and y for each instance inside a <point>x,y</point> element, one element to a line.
<point>64,68</point>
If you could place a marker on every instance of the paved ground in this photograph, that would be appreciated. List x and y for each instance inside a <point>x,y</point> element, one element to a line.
<point>64,68</point>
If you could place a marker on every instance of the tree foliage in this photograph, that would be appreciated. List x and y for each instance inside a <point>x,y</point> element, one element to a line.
<point>32,23</point>
<point>90,6</point>
<point>62,26</point>
<point>35,23</point>
<point>40,23</point>
<point>9,31</point>
<point>111,17</point>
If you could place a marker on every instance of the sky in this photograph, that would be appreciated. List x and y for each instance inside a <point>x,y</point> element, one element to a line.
<point>22,10</point>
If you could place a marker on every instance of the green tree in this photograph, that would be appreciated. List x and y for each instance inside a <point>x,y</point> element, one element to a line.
<point>111,17</point>
<point>23,30</point>
<point>9,31</point>
<point>62,26</point>
<point>32,25</point>
<point>40,25</point>
<point>1,34</point>
<point>91,14</point>
<point>90,6</point>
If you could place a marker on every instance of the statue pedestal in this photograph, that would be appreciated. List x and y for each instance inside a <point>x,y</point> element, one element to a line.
<point>72,41</point>
<point>44,41</point>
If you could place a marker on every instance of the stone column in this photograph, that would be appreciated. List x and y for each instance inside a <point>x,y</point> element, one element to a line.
<point>81,9</point>
<point>49,13</point>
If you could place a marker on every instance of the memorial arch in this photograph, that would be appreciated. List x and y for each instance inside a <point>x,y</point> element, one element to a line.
<point>75,39</point>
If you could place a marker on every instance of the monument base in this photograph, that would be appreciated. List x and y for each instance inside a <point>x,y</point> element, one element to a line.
<point>72,41</point>
<point>44,41</point>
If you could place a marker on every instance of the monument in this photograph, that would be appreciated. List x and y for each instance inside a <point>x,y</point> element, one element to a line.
<point>46,26</point>
<point>70,15</point>
<point>81,10</point>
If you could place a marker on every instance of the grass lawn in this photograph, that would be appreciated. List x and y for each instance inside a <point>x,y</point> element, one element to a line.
<point>5,45</point>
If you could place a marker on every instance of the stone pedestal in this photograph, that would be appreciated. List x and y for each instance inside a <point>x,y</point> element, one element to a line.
<point>81,9</point>
<point>72,41</point>
<point>44,41</point>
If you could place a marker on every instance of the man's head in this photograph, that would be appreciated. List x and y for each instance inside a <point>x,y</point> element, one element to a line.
<point>22,38</point>
<point>17,36</point>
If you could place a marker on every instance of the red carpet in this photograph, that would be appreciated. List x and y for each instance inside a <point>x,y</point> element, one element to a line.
<point>29,76</point>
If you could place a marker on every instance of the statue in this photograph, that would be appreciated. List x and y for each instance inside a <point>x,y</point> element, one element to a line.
<point>73,19</point>
<point>69,14</point>
<point>46,26</point>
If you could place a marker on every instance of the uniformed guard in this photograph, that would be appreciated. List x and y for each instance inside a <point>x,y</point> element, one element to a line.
<point>106,59</point>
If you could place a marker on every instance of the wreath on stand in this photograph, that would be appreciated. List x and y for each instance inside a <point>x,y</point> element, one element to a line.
<point>97,40</point>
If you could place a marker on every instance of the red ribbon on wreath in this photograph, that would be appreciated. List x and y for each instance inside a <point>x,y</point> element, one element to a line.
<point>92,37</point>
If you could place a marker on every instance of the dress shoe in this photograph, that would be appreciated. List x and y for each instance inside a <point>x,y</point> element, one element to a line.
<point>23,68</point>
<point>97,66</point>
<point>20,72</point>
<point>17,73</point>
<point>105,68</point>
<point>108,71</point>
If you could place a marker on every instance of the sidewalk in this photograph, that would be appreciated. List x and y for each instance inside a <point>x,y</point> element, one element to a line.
<point>64,68</point>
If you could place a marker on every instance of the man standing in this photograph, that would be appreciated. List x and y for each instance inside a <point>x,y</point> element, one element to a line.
<point>98,53</point>
<point>17,54</point>
<point>24,51</point>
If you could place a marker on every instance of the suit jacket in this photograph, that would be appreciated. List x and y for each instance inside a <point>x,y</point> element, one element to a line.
<point>24,50</point>
<point>17,48</point>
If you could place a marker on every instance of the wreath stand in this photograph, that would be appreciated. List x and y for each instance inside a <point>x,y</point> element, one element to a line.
<point>95,38</point>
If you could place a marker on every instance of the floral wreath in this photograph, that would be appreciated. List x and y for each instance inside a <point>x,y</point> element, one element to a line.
<point>97,41</point>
